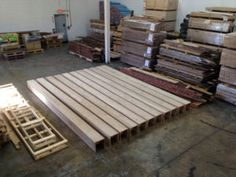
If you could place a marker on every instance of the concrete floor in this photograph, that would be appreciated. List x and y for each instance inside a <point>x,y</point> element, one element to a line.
<point>200,144</point>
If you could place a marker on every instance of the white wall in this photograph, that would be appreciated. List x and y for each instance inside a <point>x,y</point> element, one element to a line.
<point>185,6</point>
<point>20,15</point>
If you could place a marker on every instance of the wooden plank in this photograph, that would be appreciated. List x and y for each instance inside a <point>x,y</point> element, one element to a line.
<point>149,99</point>
<point>90,136</point>
<point>107,131</point>
<point>134,117</point>
<point>144,86</point>
<point>122,92</point>
<point>90,106</point>
<point>110,110</point>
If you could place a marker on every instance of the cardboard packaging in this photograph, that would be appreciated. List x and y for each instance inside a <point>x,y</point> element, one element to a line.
<point>162,15</point>
<point>161,4</point>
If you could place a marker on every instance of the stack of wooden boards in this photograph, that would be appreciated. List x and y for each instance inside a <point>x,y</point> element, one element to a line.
<point>117,12</point>
<point>227,89</point>
<point>190,63</point>
<point>117,38</point>
<point>38,135</point>
<point>164,10</point>
<point>141,39</point>
<point>103,106</point>
<point>51,40</point>
<point>90,48</point>
<point>98,26</point>
<point>210,27</point>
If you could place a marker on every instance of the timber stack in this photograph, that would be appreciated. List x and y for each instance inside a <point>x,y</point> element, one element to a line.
<point>50,40</point>
<point>90,48</point>
<point>226,90</point>
<point>163,10</point>
<point>140,41</point>
<point>190,63</point>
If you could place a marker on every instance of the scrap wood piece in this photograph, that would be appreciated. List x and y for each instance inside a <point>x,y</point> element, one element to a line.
<point>38,135</point>
<point>177,90</point>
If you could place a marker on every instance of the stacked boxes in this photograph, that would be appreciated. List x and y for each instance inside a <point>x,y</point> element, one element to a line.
<point>164,10</point>
<point>141,39</point>
<point>227,89</point>
<point>210,27</point>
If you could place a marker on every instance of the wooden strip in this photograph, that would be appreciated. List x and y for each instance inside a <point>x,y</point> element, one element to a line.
<point>90,106</point>
<point>90,136</point>
<point>105,99</point>
<point>142,85</point>
<point>149,104</point>
<point>116,98</point>
<point>120,117</point>
<point>107,131</point>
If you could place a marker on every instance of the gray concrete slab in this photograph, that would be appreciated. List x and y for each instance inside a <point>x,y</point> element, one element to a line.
<point>200,144</point>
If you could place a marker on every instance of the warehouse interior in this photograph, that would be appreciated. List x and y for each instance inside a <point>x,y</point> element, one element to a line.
<point>117,88</point>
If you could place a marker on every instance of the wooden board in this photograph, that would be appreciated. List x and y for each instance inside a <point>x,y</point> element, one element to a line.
<point>115,105</point>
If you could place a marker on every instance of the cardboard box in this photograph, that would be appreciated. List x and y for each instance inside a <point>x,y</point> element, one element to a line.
<point>230,40</point>
<point>212,25</point>
<point>162,15</point>
<point>169,26</point>
<point>139,49</point>
<point>228,58</point>
<point>228,75</point>
<point>143,37</point>
<point>161,4</point>
<point>206,37</point>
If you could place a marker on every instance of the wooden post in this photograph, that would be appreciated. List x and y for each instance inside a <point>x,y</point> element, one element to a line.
<point>107,31</point>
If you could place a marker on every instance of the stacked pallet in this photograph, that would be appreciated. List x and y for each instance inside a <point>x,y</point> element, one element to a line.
<point>164,10</point>
<point>117,39</point>
<point>90,48</point>
<point>226,90</point>
<point>210,27</point>
<point>32,42</point>
<point>103,106</point>
<point>141,38</point>
<point>190,63</point>
<point>10,47</point>
<point>39,136</point>
<point>118,11</point>
<point>50,40</point>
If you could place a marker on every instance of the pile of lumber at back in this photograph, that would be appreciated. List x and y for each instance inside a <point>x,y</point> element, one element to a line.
<point>210,27</point>
<point>227,88</point>
<point>91,48</point>
<point>163,10</point>
<point>141,39</point>
<point>190,63</point>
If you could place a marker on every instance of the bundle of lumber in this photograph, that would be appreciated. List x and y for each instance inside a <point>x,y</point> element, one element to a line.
<point>164,10</point>
<point>98,26</point>
<point>222,9</point>
<point>50,40</point>
<point>90,48</point>
<point>141,39</point>
<point>210,27</point>
<point>118,11</point>
<point>104,106</point>
<point>227,89</point>
<point>190,63</point>
<point>39,136</point>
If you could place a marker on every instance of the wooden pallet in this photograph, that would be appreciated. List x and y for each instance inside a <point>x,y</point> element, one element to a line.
<point>35,51</point>
<point>14,54</point>
<point>112,104</point>
<point>38,135</point>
